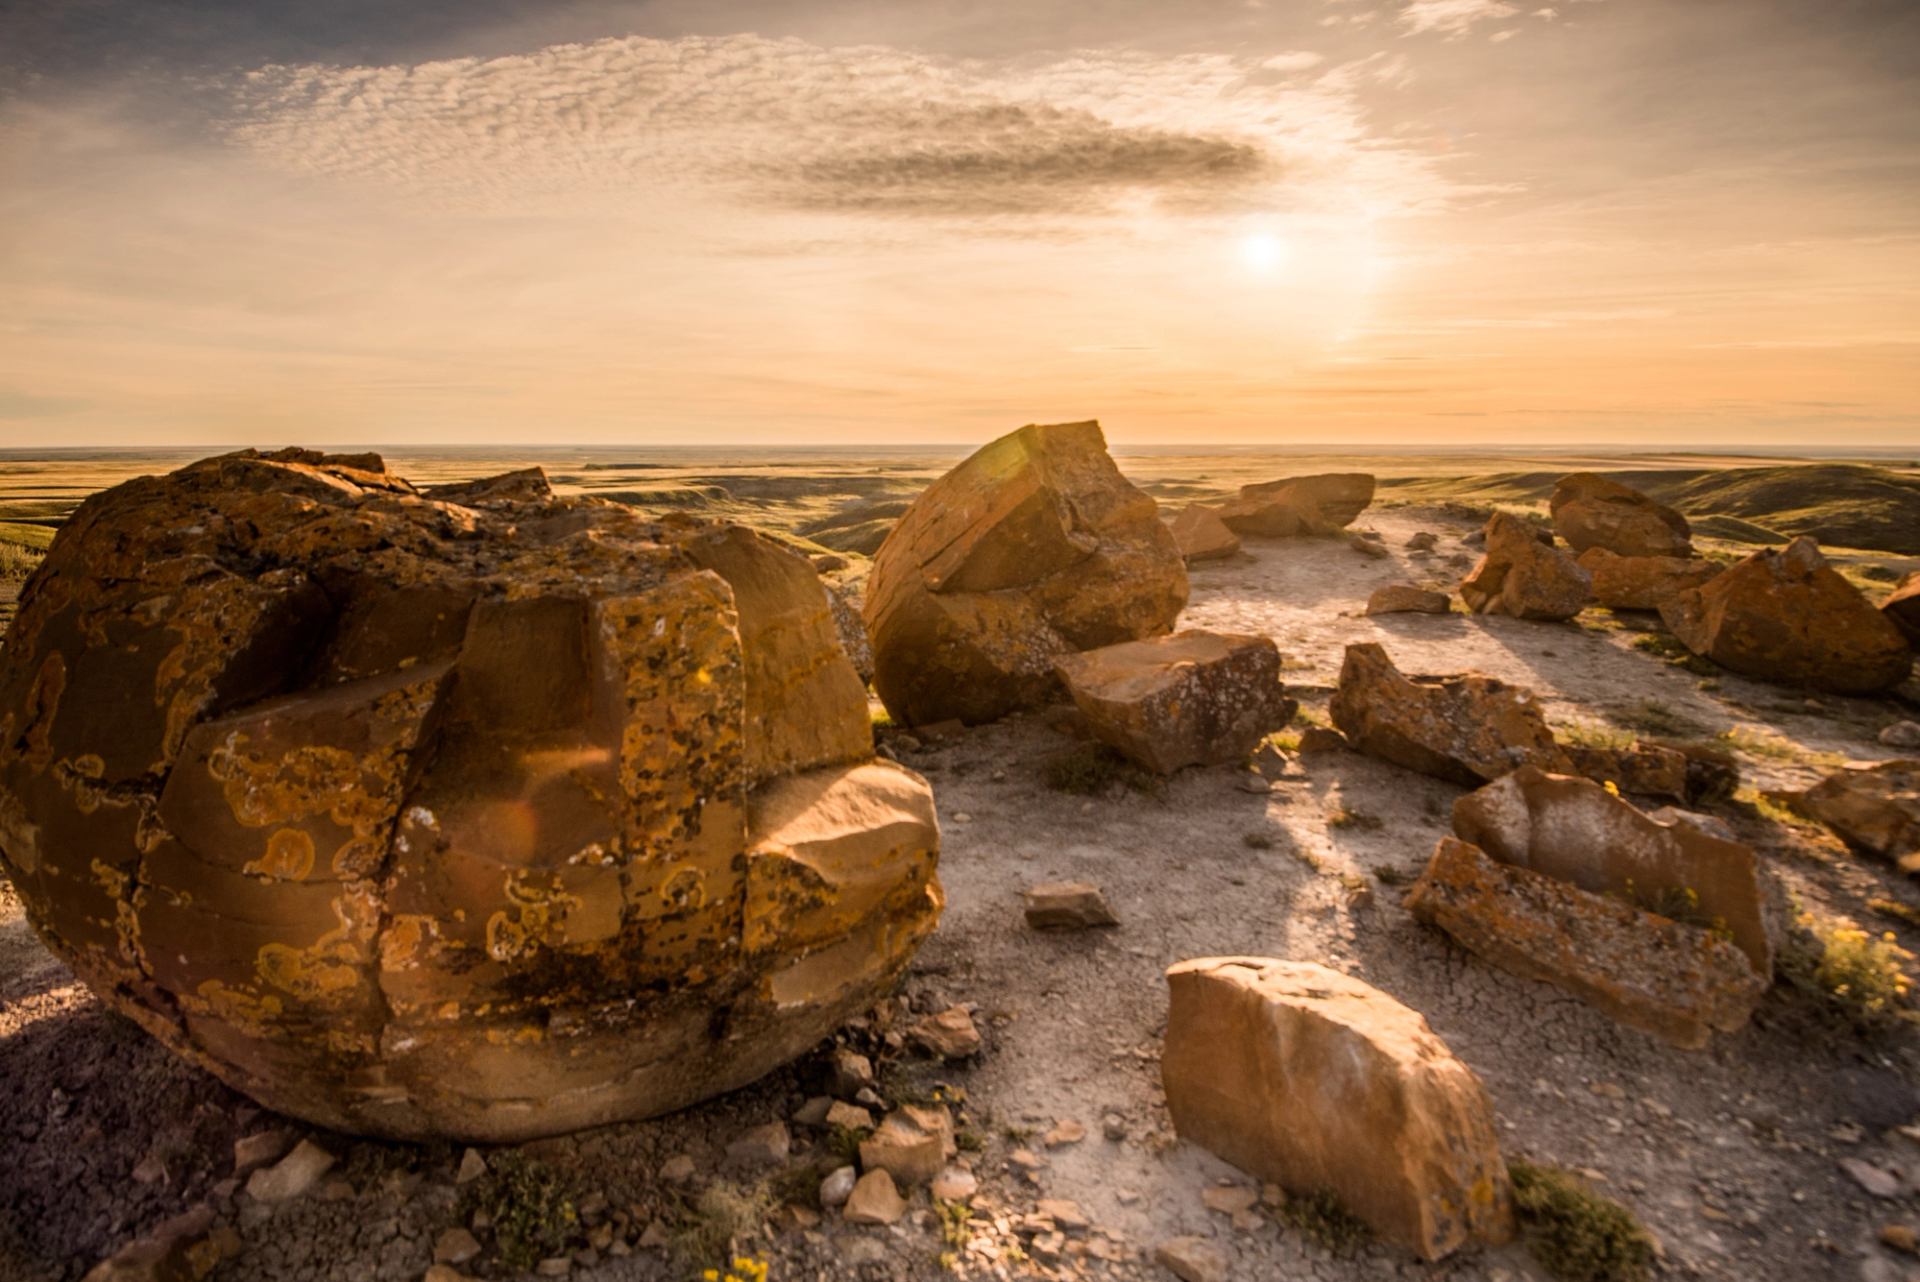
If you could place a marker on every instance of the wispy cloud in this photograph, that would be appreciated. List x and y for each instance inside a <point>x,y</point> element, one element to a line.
<point>1452,17</point>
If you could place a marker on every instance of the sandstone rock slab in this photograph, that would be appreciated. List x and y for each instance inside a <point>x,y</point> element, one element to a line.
<point>1193,698</point>
<point>1642,582</point>
<point>1591,511</point>
<point>1676,981</point>
<point>1315,1081</point>
<point>1067,905</point>
<point>1201,535</point>
<point>1789,616</point>
<point>438,814</point>
<point>1320,504</point>
<point>1032,549</point>
<point>1522,576</point>
<point>1875,809</point>
<point>1405,598</point>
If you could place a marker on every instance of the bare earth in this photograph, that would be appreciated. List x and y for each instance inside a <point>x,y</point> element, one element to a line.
<point>1729,1155</point>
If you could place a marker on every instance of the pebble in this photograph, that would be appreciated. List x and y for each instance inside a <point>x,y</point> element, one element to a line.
<point>954,1184</point>
<point>874,1200</point>
<point>848,1074</point>
<point>472,1167</point>
<point>766,1145</point>
<point>677,1169</point>
<point>1902,734</point>
<point>1192,1259</point>
<point>950,1034</point>
<point>837,1187</point>
<point>455,1246</point>
<point>258,1149</point>
<point>1874,1180</point>
<point>1065,1131</point>
<point>292,1175</point>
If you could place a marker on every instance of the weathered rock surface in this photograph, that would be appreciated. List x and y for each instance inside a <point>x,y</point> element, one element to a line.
<point>1201,535</point>
<point>1676,981</point>
<point>1643,768</point>
<point>1789,616</point>
<point>1576,831</point>
<point>1032,549</point>
<point>1591,511</point>
<point>1875,809</point>
<point>1642,582</point>
<point>1405,598</point>
<point>1903,607</point>
<point>458,813</point>
<point>1521,576</point>
<point>912,1144</point>
<point>1068,905</point>
<point>1467,729</point>
<point>1193,698</point>
<point>1322,504</point>
<point>1315,1081</point>
<point>874,1200</point>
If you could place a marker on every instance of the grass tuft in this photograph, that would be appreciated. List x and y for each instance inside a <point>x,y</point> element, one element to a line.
<point>531,1207</point>
<point>1320,1218</point>
<point>1576,1234</point>
<point>1857,978</point>
<point>1093,769</point>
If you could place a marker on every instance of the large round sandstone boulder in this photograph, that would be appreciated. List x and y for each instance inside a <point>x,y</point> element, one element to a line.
<point>1591,511</point>
<point>1033,548</point>
<point>470,812</point>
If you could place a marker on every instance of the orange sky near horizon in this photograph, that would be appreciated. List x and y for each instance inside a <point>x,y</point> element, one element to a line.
<point>1435,222</point>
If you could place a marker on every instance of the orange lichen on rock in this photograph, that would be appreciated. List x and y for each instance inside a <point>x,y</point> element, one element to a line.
<point>437,813</point>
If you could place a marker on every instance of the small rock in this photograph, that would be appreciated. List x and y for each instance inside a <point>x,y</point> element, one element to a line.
<point>1405,598</point>
<point>455,1246</point>
<point>950,1034</point>
<point>258,1149</point>
<point>1873,1179</point>
<point>1114,1127</point>
<point>1192,1259</point>
<point>838,1186</point>
<point>1900,1238</point>
<point>1230,1199</point>
<point>1902,734</point>
<point>1366,546</point>
<point>815,1111</point>
<point>1064,1132</point>
<point>1424,541</point>
<point>472,1167</point>
<point>554,1266</point>
<point>178,1249</point>
<point>762,1146</point>
<point>677,1169</point>
<point>1068,905</point>
<point>851,1116</point>
<point>955,1184</point>
<point>1320,739</point>
<point>150,1170</point>
<point>1064,1213</point>
<point>874,1200</point>
<point>912,1144</point>
<point>292,1175</point>
<point>849,1073</point>
<point>442,1273</point>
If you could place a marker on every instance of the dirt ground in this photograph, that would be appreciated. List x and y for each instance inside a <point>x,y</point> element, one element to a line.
<point>1730,1155</point>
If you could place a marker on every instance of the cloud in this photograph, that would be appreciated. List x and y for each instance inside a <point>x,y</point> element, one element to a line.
<point>634,124</point>
<point>1452,17</point>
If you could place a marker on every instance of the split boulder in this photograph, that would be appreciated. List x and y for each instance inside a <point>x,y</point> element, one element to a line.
<point>1522,576</point>
<point>1875,809</point>
<point>1315,1081</point>
<point>1642,582</point>
<point>1789,616</point>
<point>1193,698</point>
<point>1322,504</point>
<point>1032,549</point>
<point>1201,534</point>
<point>1590,511</point>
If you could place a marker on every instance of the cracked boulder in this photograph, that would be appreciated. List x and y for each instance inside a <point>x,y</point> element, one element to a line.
<point>1788,616</point>
<point>1317,1082</point>
<point>1590,511</point>
<point>468,812</point>
<point>1201,534</point>
<point>1032,549</point>
<point>1642,582</point>
<point>1875,809</point>
<point>1524,575</point>
<point>1322,504</point>
<point>1903,607</point>
<point>1192,698</point>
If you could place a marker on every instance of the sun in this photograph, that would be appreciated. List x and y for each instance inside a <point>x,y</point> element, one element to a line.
<point>1264,253</point>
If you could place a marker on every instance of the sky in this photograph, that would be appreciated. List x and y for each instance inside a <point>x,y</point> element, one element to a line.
<point>1645,223</point>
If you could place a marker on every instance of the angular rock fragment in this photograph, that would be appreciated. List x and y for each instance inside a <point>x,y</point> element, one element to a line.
<point>178,1250</point>
<point>1467,729</point>
<point>1193,698</point>
<point>1789,616</point>
<point>444,813</point>
<point>1679,982</point>
<point>912,1144</point>
<point>947,1034</point>
<point>1201,535</point>
<point>1576,831</point>
<point>1032,549</point>
<point>874,1200</point>
<point>1068,905</point>
<point>1591,511</point>
<point>1322,504</point>
<point>1192,1259</point>
<point>1405,598</point>
<point>1645,769</point>
<point>1315,1081</point>
<point>1875,809</point>
<point>1521,576</point>
<point>1642,582</point>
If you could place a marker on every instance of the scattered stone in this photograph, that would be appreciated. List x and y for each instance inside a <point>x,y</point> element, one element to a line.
<point>179,1250</point>
<point>1114,1127</point>
<point>383,792</point>
<point>472,1167</point>
<point>1900,1237</point>
<point>1423,541</point>
<point>1642,582</point>
<point>292,1175</point>
<point>954,1184</point>
<point>1319,739</point>
<point>874,1200</point>
<point>1323,504</point>
<point>814,1111</point>
<point>848,1073</point>
<point>1065,1131</point>
<point>1576,831</point>
<point>1193,698</point>
<point>443,1273</point>
<point>1230,1199</point>
<point>1877,1181</point>
<point>766,1145</point>
<point>949,1034</point>
<point>1192,1259</point>
<point>1316,1081</point>
<point>554,1266</point>
<point>1518,575</point>
<point>1678,982</point>
<point>258,1149</point>
<point>851,1116</point>
<point>455,1246</point>
<point>1063,1212</point>
<point>1068,905</point>
<point>1874,809</point>
<point>1405,598</point>
<point>1466,729</point>
<point>912,1144</point>
<point>1032,549</point>
<point>678,1169</point>
<point>1790,617</point>
<point>1645,769</point>
<point>837,1187</point>
<point>1902,734</point>
<point>1368,545</point>
<point>1591,511</point>
<point>1201,535</point>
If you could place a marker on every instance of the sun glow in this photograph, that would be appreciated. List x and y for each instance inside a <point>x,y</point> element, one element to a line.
<point>1264,253</point>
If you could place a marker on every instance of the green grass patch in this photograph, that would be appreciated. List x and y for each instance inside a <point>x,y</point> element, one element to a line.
<point>1666,646</point>
<point>531,1207</point>
<point>1649,717</point>
<point>1093,769</point>
<point>1576,1234</point>
<point>1320,1218</point>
